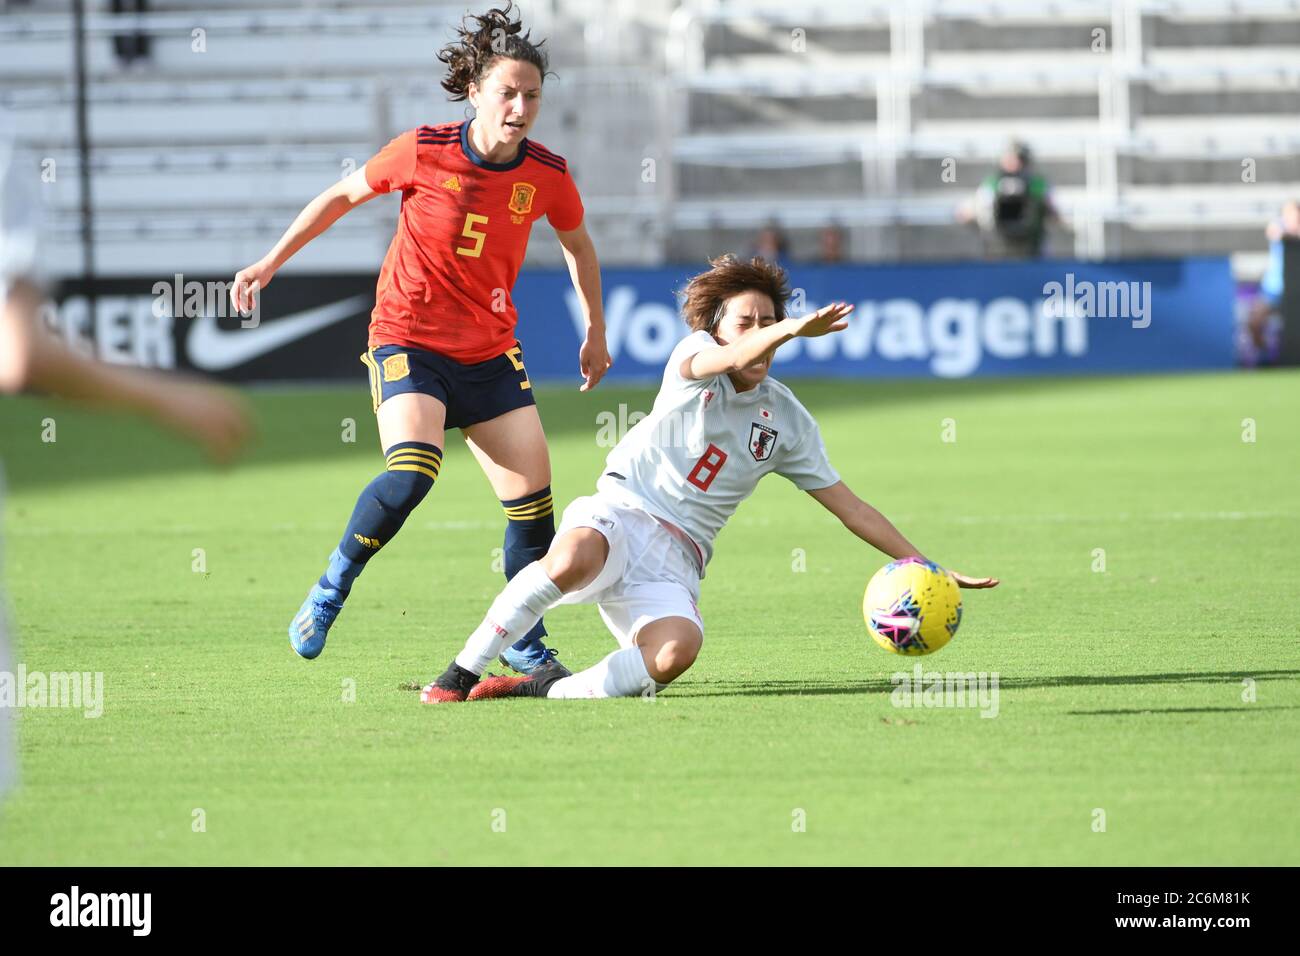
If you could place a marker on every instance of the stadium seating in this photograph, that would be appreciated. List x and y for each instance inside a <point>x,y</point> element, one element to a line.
<point>1141,114</point>
<point>1166,126</point>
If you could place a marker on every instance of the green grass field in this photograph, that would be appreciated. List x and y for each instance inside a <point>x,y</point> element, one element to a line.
<point>1120,690</point>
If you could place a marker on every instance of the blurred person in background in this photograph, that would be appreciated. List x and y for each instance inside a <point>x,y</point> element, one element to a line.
<point>1265,312</point>
<point>1012,207</point>
<point>32,359</point>
<point>131,48</point>
<point>830,245</point>
<point>770,245</point>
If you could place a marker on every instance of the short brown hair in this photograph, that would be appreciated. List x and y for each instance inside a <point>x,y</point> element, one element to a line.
<point>706,294</point>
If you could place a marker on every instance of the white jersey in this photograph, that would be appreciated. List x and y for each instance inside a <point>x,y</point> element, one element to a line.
<point>704,446</point>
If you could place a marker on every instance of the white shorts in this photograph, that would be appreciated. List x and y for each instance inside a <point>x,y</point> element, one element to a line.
<point>647,576</point>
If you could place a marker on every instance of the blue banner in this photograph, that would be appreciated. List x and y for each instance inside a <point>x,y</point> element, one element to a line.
<point>951,320</point>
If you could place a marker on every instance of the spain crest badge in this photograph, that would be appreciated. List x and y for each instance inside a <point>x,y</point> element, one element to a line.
<point>521,198</point>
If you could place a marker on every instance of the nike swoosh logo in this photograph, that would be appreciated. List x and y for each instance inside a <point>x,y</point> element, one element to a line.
<point>215,350</point>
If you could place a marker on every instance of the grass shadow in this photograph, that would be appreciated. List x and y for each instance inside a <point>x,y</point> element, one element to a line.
<point>1244,708</point>
<point>798,688</point>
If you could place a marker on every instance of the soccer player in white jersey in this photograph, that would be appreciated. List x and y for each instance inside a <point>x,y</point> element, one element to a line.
<point>637,549</point>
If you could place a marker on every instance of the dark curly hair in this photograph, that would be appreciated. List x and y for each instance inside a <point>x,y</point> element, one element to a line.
<point>706,294</point>
<point>481,41</point>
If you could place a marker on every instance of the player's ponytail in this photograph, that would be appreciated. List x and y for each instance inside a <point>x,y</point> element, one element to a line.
<point>481,41</point>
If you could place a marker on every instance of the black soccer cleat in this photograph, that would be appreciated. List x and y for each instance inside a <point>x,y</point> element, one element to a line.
<point>452,687</point>
<point>536,684</point>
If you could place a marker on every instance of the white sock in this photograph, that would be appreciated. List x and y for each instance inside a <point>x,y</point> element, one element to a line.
<point>621,674</point>
<point>527,596</point>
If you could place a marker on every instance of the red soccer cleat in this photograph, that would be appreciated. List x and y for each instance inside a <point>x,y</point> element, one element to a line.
<point>536,684</point>
<point>433,694</point>
<point>502,687</point>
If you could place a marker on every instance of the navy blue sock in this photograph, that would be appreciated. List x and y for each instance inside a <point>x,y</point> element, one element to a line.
<point>382,508</point>
<point>530,527</point>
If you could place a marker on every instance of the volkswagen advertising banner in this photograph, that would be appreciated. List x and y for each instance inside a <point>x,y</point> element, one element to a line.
<point>951,321</point>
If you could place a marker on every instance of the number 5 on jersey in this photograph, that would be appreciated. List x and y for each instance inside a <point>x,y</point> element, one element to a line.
<point>473,219</point>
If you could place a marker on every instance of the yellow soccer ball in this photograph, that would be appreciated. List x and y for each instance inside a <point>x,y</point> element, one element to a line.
<point>912,607</point>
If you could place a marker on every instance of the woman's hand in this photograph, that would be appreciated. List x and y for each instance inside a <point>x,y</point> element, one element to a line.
<point>248,283</point>
<point>827,319</point>
<point>967,582</point>
<point>593,359</point>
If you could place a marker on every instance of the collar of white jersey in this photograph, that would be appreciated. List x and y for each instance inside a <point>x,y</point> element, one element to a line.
<point>747,396</point>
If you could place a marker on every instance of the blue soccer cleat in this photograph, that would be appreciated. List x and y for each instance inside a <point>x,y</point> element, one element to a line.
<point>535,655</point>
<point>312,623</point>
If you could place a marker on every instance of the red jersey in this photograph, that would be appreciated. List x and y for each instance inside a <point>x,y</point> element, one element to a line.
<point>461,236</point>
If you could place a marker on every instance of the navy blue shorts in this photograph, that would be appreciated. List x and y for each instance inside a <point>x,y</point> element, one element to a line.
<point>472,393</point>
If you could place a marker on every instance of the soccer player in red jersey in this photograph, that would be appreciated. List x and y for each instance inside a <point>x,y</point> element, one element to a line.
<point>442,350</point>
